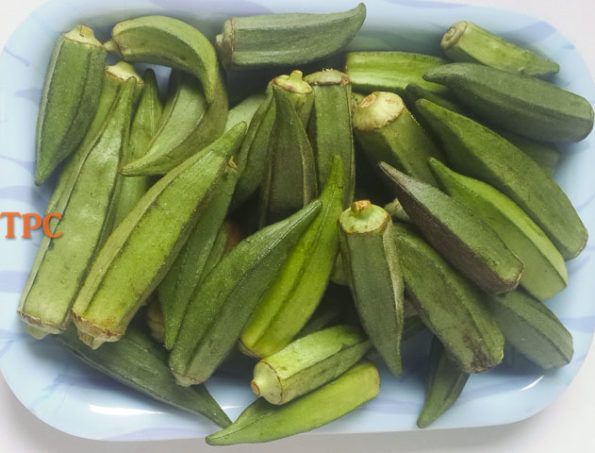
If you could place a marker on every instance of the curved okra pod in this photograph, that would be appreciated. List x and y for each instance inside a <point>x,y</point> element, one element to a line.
<point>445,383</point>
<point>455,230</point>
<point>188,125</point>
<point>138,362</point>
<point>375,277</point>
<point>70,96</point>
<point>263,422</point>
<point>170,42</point>
<point>62,263</point>
<point>546,155</point>
<point>308,363</point>
<point>466,144</point>
<point>286,39</point>
<point>178,286</point>
<point>449,305</point>
<point>143,128</point>
<point>330,128</point>
<point>222,304</point>
<point>468,42</point>
<point>290,180</point>
<point>141,249</point>
<point>388,133</point>
<point>544,271</point>
<point>114,77</point>
<point>533,329</point>
<point>290,301</point>
<point>390,71</point>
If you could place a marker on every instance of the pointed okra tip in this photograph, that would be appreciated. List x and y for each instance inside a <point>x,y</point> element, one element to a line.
<point>377,110</point>
<point>364,217</point>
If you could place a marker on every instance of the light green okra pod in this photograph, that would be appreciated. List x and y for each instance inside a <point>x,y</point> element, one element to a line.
<point>286,39</point>
<point>390,71</point>
<point>468,42</point>
<point>449,305</point>
<point>70,96</point>
<point>262,421</point>
<point>62,263</point>
<point>329,127</point>
<point>478,152</point>
<point>308,363</point>
<point>188,124</point>
<point>544,271</point>
<point>375,277</point>
<point>139,252</point>
<point>143,128</point>
<point>222,304</point>
<point>445,383</point>
<point>245,110</point>
<point>290,301</point>
<point>387,132</point>
<point>178,286</point>
<point>170,42</point>
<point>138,362</point>
<point>533,329</point>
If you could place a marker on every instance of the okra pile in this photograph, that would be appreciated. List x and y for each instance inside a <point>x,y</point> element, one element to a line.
<point>320,218</point>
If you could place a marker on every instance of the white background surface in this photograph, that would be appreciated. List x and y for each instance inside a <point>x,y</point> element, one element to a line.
<point>567,425</point>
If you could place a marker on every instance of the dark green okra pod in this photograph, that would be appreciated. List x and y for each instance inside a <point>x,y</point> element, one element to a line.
<point>387,132</point>
<point>222,304</point>
<point>143,128</point>
<point>262,421</point>
<point>139,252</point>
<point>546,155</point>
<point>461,237</point>
<point>445,383</point>
<point>286,39</point>
<point>533,329</point>
<point>476,151</point>
<point>70,96</point>
<point>290,180</point>
<point>178,286</point>
<point>450,306</point>
<point>137,362</point>
<point>290,301</point>
<point>374,273</point>
<point>468,42</point>
<point>188,124</point>
<point>330,127</point>
<point>62,263</point>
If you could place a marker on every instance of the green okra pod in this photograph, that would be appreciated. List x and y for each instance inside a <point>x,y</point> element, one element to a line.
<point>445,383</point>
<point>290,180</point>
<point>290,301</point>
<point>375,278</point>
<point>188,124</point>
<point>139,252</point>
<point>524,105</point>
<point>413,92</point>
<point>478,152</point>
<point>262,421</point>
<point>466,41</point>
<point>227,238</point>
<point>245,110</point>
<point>178,286</point>
<point>171,42</point>
<point>62,262</point>
<point>70,96</point>
<point>461,236</point>
<point>546,155</point>
<point>390,71</point>
<point>397,211</point>
<point>222,304</point>
<point>449,305</point>
<point>308,363</point>
<point>533,329</point>
<point>387,132</point>
<point>544,271</point>
<point>137,362</point>
<point>143,128</point>
<point>329,127</point>
<point>331,310</point>
<point>155,320</point>
<point>286,39</point>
